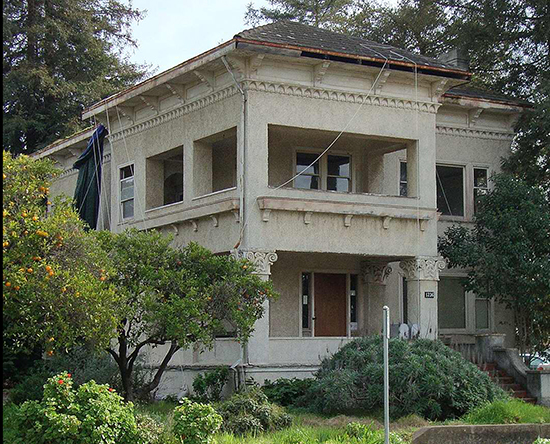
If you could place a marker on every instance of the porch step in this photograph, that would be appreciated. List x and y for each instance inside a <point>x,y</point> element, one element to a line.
<point>506,382</point>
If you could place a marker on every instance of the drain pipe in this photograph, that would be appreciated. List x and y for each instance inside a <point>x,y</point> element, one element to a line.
<point>242,218</point>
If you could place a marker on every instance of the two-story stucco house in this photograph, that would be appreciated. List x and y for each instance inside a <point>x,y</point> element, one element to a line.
<point>224,150</point>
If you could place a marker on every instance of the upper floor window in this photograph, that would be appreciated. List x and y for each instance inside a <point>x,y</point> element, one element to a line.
<point>481,185</point>
<point>127,192</point>
<point>331,172</point>
<point>450,190</point>
<point>403,179</point>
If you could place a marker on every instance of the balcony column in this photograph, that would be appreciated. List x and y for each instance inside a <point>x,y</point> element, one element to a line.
<point>422,274</point>
<point>375,276</point>
<point>258,343</point>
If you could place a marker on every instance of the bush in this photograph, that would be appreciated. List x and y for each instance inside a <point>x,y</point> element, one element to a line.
<point>366,434</point>
<point>426,378</point>
<point>208,386</point>
<point>288,392</point>
<point>195,423</point>
<point>251,412</point>
<point>513,411</point>
<point>31,387</point>
<point>93,414</point>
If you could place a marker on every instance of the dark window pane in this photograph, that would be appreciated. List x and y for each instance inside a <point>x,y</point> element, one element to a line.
<point>480,178</point>
<point>451,304</point>
<point>303,160</point>
<point>403,189</point>
<point>482,313</point>
<point>337,184</point>
<point>353,298</point>
<point>305,300</point>
<point>338,166</point>
<point>405,302</point>
<point>128,209</point>
<point>403,172</point>
<point>307,182</point>
<point>126,172</point>
<point>477,194</point>
<point>450,190</point>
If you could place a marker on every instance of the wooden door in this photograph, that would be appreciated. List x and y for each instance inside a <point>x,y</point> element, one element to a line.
<point>330,304</point>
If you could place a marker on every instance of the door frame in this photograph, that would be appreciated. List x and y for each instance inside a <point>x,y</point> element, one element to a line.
<point>312,272</point>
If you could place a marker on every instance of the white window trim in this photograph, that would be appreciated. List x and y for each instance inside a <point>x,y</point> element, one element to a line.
<point>472,194</point>
<point>465,186</point>
<point>121,219</point>
<point>323,168</point>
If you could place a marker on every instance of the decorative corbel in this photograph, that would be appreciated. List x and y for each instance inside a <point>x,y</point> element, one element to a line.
<point>382,81</point>
<point>256,61</point>
<point>176,90</point>
<point>319,72</point>
<point>206,77</point>
<point>386,222</point>
<point>76,152</point>
<point>237,66</point>
<point>347,220</point>
<point>473,115</point>
<point>215,221</point>
<point>438,88</point>
<point>423,224</point>
<point>151,101</point>
<point>307,217</point>
<point>175,229</point>
<point>265,214</point>
<point>375,273</point>
<point>127,112</point>
<point>237,216</point>
<point>193,222</point>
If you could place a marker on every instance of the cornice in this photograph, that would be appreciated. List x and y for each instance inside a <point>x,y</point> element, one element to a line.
<point>477,133</point>
<point>175,113</point>
<point>339,96</point>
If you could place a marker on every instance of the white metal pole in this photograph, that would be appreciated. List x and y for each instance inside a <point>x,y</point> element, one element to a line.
<point>386,332</point>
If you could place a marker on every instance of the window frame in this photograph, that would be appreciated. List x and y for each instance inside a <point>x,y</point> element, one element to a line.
<point>470,299</point>
<point>323,169</point>
<point>120,167</point>
<point>474,187</point>
<point>464,188</point>
<point>399,181</point>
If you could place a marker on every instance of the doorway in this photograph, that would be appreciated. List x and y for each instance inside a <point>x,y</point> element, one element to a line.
<point>330,291</point>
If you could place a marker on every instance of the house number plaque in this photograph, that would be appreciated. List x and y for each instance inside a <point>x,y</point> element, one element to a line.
<point>429,294</point>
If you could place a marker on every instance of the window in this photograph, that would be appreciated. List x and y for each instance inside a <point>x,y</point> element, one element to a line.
<point>481,186</point>
<point>405,301</point>
<point>127,192</point>
<point>353,302</point>
<point>482,313</point>
<point>450,190</point>
<point>451,304</point>
<point>306,302</point>
<point>332,172</point>
<point>403,178</point>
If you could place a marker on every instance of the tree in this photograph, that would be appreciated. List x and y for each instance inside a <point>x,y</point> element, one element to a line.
<point>176,297</point>
<point>60,55</point>
<point>508,255</point>
<point>54,273</point>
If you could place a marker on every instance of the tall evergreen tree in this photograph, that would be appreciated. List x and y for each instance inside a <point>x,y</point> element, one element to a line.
<point>61,55</point>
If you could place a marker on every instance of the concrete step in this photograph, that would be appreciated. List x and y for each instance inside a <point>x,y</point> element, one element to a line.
<point>511,387</point>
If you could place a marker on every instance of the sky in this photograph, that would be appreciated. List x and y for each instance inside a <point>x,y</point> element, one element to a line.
<point>176,30</point>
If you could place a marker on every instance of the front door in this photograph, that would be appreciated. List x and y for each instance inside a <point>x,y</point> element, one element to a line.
<point>330,304</point>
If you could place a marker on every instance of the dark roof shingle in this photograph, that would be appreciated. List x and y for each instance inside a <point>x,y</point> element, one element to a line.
<point>287,32</point>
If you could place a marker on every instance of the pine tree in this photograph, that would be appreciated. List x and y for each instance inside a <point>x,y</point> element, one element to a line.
<point>59,56</point>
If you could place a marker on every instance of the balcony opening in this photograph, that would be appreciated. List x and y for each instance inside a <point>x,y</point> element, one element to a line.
<point>164,172</point>
<point>215,163</point>
<point>355,163</point>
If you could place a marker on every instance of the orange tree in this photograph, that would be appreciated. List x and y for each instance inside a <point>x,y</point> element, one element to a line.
<point>55,289</point>
<point>176,298</point>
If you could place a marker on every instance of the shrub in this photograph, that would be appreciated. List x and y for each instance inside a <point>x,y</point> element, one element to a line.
<point>31,387</point>
<point>366,434</point>
<point>251,412</point>
<point>150,430</point>
<point>195,423</point>
<point>513,411</point>
<point>208,386</point>
<point>288,392</point>
<point>92,414</point>
<point>426,378</point>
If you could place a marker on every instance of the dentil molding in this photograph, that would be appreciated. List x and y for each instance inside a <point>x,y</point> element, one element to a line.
<point>477,133</point>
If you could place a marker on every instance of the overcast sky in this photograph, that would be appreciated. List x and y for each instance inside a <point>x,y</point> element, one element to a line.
<point>176,30</point>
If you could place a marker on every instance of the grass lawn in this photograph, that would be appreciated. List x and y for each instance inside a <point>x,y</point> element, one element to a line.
<point>309,428</point>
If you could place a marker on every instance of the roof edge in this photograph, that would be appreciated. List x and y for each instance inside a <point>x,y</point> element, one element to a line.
<point>455,72</point>
<point>164,76</point>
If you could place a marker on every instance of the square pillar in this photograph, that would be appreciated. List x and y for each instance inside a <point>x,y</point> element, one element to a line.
<point>257,348</point>
<point>422,274</point>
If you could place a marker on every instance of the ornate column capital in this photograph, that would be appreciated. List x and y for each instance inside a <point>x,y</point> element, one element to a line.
<point>262,260</point>
<point>375,273</point>
<point>423,268</point>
